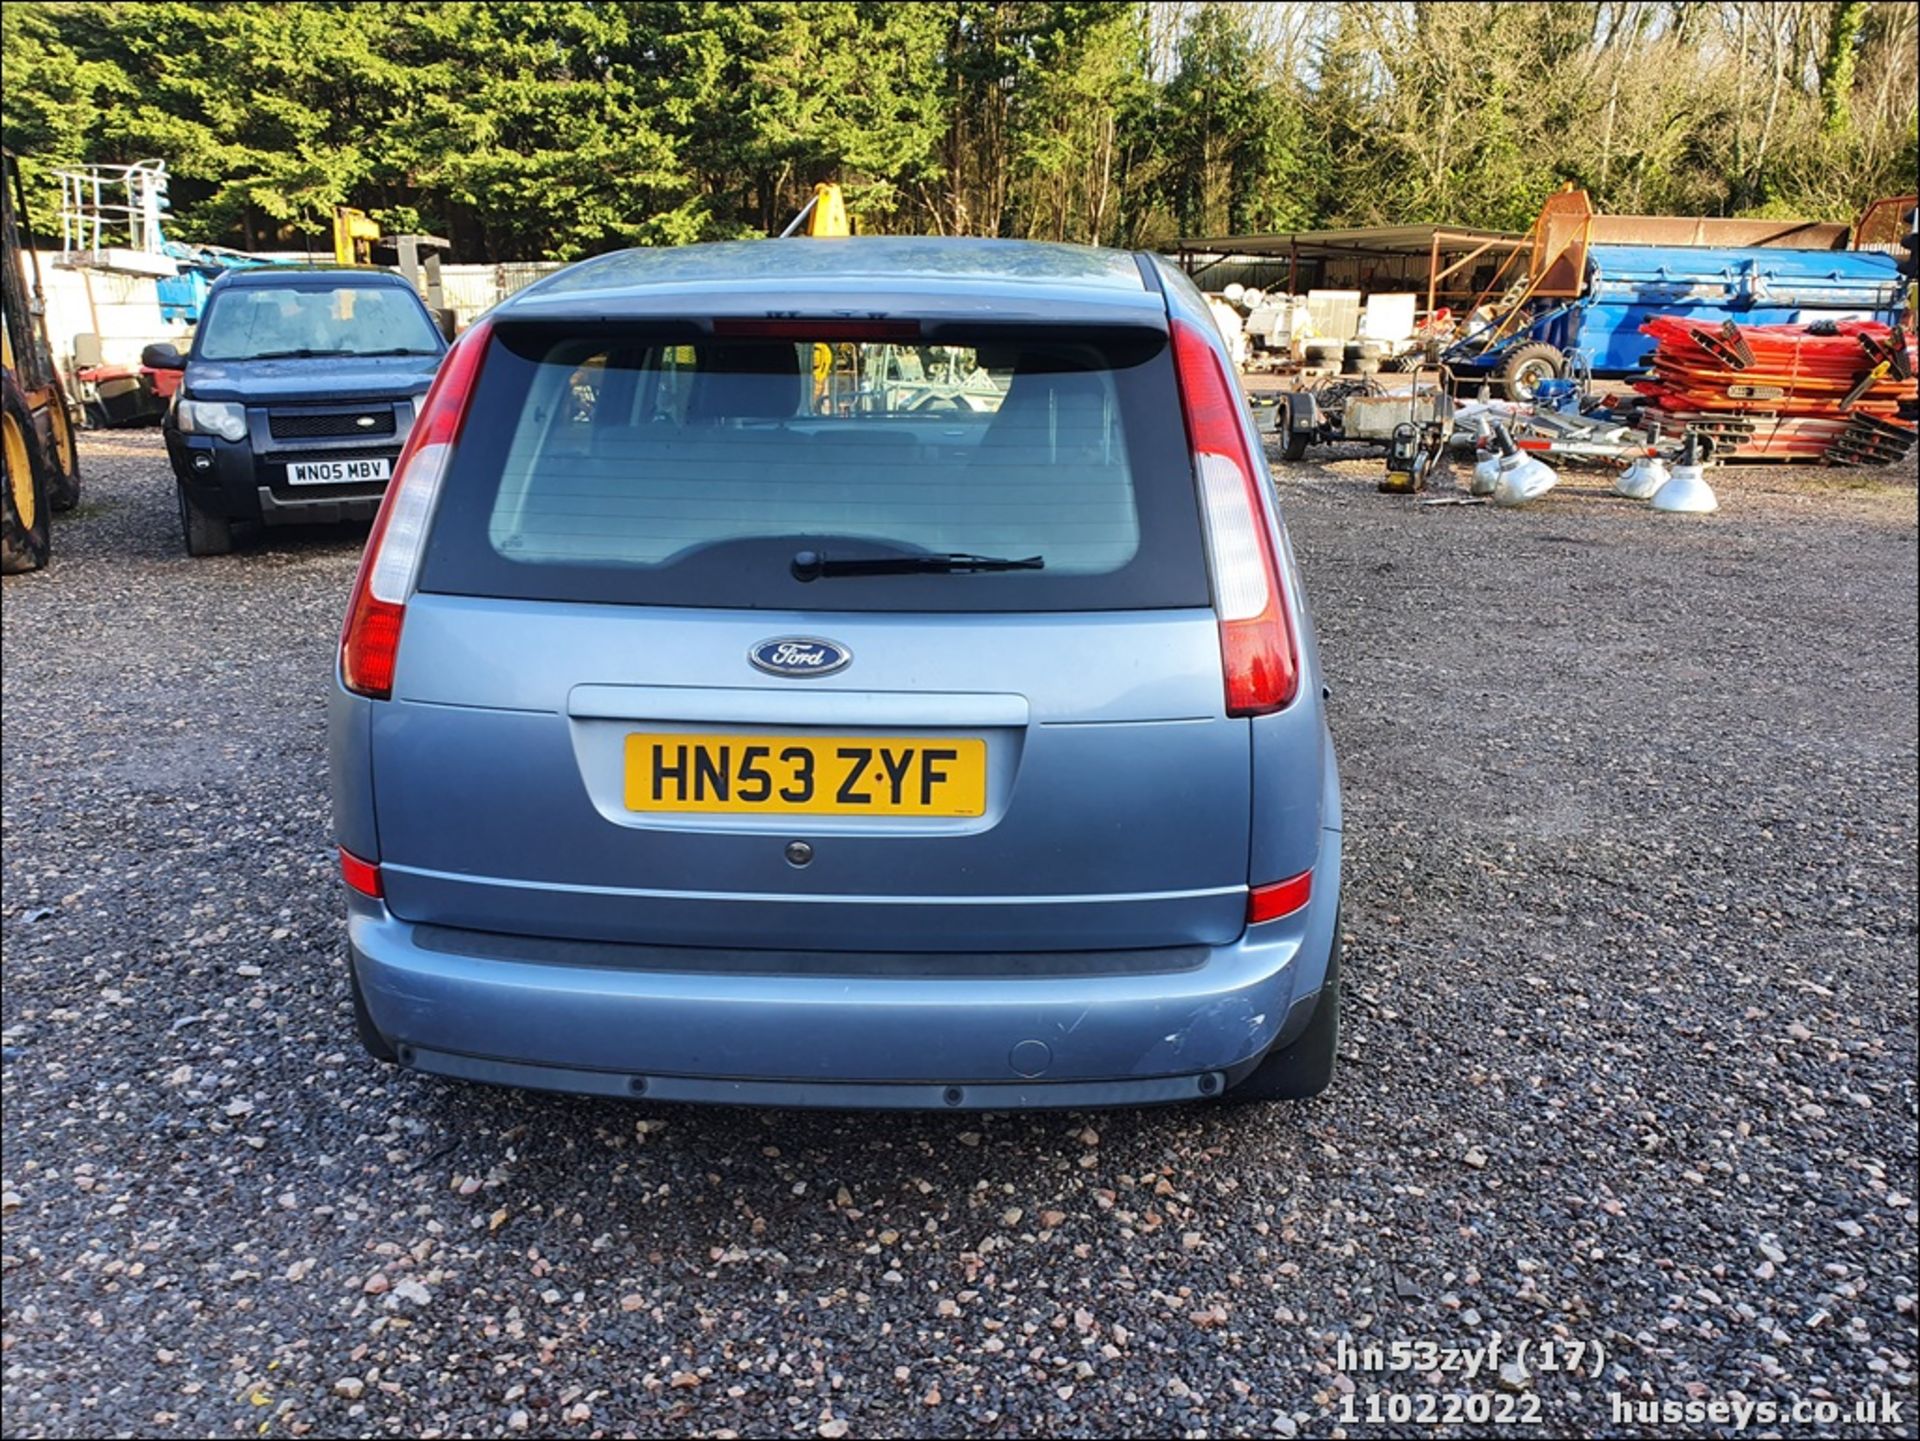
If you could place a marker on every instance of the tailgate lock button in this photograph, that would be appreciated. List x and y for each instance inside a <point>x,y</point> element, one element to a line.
<point>799,853</point>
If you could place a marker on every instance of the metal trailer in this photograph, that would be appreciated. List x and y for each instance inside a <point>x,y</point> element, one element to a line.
<point>1337,410</point>
<point>42,463</point>
<point>1592,281</point>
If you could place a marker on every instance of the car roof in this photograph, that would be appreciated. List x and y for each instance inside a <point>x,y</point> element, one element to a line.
<point>271,275</point>
<point>868,275</point>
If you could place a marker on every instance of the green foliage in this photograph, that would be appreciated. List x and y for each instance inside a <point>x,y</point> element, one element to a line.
<point>1837,65</point>
<point>1222,116</point>
<point>556,128</point>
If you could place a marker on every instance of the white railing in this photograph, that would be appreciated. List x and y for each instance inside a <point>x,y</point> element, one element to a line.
<point>101,204</point>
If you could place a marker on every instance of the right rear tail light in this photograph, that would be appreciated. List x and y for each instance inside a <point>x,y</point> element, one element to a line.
<point>1256,636</point>
<point>370,640</point>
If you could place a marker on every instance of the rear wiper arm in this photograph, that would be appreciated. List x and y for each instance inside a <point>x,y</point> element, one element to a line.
<point>812,565</point>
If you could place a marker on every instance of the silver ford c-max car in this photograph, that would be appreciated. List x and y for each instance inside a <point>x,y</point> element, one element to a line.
<point>853,673</point>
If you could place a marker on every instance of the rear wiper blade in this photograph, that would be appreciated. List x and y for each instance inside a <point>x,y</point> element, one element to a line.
<point>812,565</point>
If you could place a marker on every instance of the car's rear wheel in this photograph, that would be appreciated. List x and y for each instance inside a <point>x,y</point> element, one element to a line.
<point>1304,1068</point>
<point>204,534</point>
<point>25,541</point>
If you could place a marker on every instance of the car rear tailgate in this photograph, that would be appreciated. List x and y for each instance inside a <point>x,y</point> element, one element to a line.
<point>1117,814</point>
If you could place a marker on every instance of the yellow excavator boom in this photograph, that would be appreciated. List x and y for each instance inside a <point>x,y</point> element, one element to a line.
<point>354,236</point>
<point>824,215</point>
<point>829,212</point>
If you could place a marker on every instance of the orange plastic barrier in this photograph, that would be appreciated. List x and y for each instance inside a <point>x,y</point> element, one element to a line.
<point>1782,391</point>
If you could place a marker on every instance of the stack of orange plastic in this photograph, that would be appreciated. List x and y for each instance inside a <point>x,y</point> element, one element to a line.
<point>1783,391</point>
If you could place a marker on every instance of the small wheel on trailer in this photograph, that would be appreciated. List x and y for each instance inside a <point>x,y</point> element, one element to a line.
<point>1293,443</point>
<point>204,534</point>
<point>1527,365</point>
<point>25,539</point>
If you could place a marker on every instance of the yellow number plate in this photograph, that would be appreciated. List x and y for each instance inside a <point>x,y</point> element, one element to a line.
<point>807,775</point>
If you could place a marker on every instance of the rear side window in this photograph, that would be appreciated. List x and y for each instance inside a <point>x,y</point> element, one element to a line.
<point>660,470</point>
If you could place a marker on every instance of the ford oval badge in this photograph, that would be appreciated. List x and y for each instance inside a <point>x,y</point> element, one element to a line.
<point>800,656</point>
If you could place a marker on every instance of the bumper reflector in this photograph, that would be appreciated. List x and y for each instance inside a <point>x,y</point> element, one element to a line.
<point>1282,898</point>
<point>361,876</point>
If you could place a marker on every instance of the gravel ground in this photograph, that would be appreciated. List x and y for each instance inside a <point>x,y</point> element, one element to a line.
<point>1630,1053</point>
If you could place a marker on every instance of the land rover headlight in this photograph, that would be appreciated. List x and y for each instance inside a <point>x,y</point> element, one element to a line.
<point>223,418</point>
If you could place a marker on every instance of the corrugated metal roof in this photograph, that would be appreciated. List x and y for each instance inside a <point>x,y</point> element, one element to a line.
<point>1719,232</point>
<point>1376,240</point>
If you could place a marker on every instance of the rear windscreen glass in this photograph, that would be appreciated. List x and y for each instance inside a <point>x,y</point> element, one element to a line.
<point>830,474</point>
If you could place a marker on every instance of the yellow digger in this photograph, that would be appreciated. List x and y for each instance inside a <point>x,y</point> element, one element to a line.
<point>355,237</point>
<point>824,216</point>
<point>42,462</point>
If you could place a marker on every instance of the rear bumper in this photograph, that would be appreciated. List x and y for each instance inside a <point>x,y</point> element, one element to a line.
<point>827,1095</point>
<point>737,1032</point>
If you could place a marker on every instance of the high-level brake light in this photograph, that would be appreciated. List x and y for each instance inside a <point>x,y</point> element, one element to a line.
<point>824,329</point>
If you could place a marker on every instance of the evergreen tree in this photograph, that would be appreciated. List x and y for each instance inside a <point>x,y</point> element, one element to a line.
<point>557,128</point>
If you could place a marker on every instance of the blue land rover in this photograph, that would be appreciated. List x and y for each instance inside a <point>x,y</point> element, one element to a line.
<point>300,388</point>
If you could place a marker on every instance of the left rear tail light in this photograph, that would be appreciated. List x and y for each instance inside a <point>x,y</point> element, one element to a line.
<point>1256,636</point>
<point>370,641</point>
